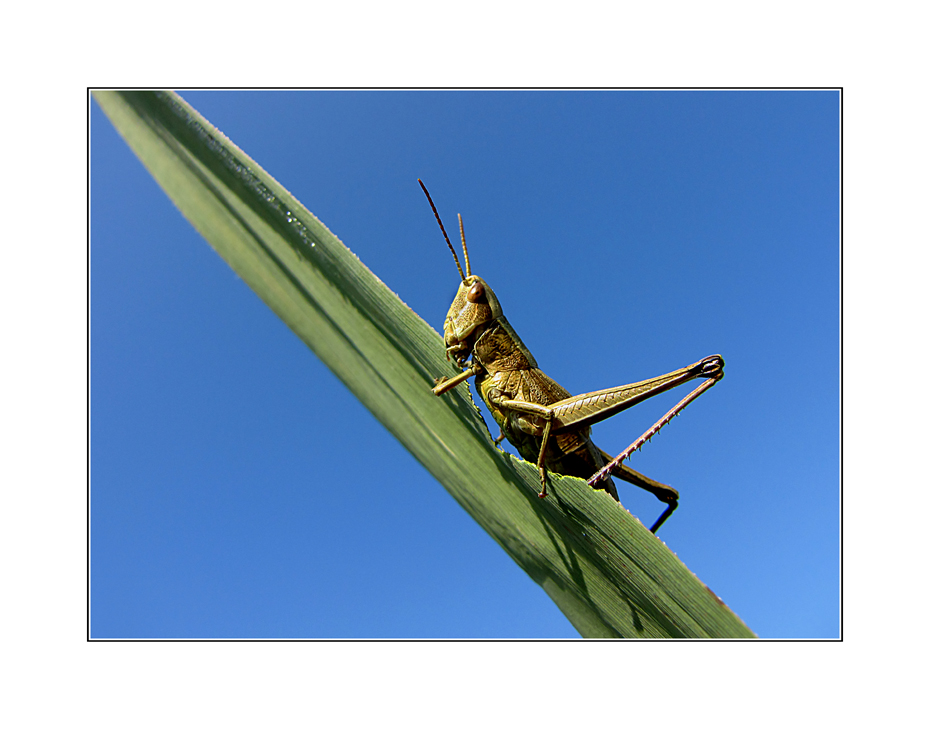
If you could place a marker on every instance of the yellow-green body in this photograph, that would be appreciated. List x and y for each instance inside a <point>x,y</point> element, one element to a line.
<point>546,424</point>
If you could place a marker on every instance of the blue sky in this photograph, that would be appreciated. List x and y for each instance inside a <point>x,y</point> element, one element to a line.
<point>237,488</point>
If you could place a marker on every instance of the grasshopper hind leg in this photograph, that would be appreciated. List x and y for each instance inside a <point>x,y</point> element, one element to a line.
<point>665,515</point>
<point>665,494</point>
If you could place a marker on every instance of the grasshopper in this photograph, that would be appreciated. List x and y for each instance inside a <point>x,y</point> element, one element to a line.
<point>538,416</point>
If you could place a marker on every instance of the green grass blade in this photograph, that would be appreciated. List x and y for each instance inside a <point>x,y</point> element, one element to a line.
<point>607,573</point>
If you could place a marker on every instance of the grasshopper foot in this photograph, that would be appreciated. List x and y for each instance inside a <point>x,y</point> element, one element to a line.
<point>542,478</point>
<point>672,505</point>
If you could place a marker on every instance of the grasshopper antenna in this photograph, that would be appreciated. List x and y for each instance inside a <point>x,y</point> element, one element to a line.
<point>454,255</point>
<point>464,247</point>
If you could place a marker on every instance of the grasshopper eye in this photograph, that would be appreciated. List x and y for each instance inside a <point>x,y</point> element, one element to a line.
<point>475,293</point>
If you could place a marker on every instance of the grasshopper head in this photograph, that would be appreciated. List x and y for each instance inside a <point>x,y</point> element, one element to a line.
<point>474,307</point>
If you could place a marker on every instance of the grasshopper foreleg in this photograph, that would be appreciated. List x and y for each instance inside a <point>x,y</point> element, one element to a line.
<point>444,384</point>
